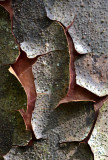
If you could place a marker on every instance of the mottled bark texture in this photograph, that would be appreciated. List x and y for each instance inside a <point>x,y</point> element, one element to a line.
<point>63,67</point>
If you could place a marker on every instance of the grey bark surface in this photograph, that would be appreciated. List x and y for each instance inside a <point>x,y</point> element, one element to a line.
<point>36,29</point>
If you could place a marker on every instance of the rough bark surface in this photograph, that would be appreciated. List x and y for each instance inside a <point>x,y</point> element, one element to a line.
<point>62,66</point>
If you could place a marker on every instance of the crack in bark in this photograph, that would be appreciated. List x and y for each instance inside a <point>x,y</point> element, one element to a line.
<point>75,90</point>
<point>22,69</point>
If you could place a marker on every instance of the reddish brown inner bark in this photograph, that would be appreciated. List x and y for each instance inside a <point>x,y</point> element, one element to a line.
<point>22,69</point>
<point>7,5</point>
<point>75,92</point>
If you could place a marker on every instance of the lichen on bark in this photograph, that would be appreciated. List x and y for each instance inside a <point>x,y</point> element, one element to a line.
<point>49,51</point>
